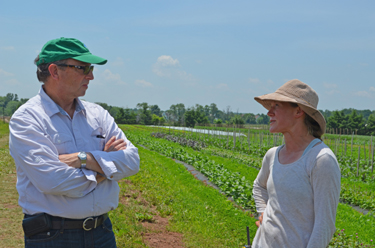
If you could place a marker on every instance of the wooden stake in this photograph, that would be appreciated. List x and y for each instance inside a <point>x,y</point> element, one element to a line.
<point>359,156</point>
<point>364,149</point>
<point>351,149</point>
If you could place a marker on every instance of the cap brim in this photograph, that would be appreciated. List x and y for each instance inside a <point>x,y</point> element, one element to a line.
<point>92,59</point>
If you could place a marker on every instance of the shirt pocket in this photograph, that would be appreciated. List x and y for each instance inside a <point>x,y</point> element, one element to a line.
<point>63,142</point>
<point>98,139</point>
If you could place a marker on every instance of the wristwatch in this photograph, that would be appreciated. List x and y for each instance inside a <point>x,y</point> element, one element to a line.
<point>82,156</point>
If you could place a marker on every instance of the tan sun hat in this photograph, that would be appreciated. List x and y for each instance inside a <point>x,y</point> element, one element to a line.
<point>297,92</point>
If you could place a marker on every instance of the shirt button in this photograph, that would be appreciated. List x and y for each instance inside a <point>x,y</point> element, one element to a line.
<point>111,176</point>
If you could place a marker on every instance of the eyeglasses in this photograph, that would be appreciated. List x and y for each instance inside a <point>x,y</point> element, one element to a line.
<point>86,69</point>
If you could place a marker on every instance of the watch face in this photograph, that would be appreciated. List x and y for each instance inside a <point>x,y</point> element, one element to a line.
<point>82,155</point>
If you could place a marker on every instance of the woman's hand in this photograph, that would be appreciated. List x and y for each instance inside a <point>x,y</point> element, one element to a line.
<point>259,222</point>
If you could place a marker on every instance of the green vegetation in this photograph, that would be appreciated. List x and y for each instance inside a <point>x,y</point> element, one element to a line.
<point>203,215</point>
<point>234,165</point>
<point>200,213</point>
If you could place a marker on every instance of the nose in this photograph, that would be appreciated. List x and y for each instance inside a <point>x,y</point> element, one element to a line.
<point>270,112</point>
<point>90,76</point>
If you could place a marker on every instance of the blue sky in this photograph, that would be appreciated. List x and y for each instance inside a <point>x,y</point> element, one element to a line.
<point>223,52</point>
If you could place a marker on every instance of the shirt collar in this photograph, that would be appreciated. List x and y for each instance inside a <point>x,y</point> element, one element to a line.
<point>52,108</point>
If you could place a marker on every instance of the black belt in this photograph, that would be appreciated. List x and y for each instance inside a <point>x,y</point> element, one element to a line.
<point>85,224</point>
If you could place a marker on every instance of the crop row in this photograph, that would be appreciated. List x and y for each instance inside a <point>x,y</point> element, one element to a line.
<point>232,184</point>
<point>253,145</point>
<point>347,217</point>
<point>350,193</point>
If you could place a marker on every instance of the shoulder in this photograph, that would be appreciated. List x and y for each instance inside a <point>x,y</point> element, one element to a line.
<point>322,156</point>
<point>270,154</point>
<point>95,110</point>
<point>92,106</point>
<point>33,105</point>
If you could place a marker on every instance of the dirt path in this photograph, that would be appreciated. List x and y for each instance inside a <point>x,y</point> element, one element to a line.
<point>157,234</point>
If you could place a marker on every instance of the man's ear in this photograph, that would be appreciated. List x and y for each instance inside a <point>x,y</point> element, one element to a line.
<point>53,70</point>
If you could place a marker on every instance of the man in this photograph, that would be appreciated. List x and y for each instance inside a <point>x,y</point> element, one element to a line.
<point>69,154</point>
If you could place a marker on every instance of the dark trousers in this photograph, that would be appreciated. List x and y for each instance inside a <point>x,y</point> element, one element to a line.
<point>100,237</point>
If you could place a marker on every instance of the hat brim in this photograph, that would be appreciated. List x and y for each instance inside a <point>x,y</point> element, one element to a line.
<point>91,59</point>
<point>265,100</point>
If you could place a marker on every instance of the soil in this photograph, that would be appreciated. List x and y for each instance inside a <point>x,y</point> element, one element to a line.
<point>157,234</point>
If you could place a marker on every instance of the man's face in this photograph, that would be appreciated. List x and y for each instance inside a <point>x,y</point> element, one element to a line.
<point>74,82</point>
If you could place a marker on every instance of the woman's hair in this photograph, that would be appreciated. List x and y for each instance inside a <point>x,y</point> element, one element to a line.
<point>42,71</point>
<point>312,126</point>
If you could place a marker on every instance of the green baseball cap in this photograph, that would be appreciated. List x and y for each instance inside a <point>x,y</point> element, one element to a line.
<point>67,48</point>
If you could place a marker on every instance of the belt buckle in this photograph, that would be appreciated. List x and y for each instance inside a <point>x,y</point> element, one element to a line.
<point>84,223</point>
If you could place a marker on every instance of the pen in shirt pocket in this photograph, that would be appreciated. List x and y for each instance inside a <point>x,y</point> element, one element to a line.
<point>100,137</point>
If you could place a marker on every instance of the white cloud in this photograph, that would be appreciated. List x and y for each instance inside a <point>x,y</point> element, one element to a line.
<point>118,62</point>
<point>330,86</point>
<point>5,73</point>
<point>363,94</point>
<point>8,48</point>
<point>143,83</point>
<point>163,66</point>
<point>254,81</point>
<point>166,60</point>
<point>166,66</point>
<point>372,88</point>
<point>108,76</point>
<point>12,82</point>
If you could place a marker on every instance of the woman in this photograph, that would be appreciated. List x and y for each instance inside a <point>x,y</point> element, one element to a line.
<point>298,187</point>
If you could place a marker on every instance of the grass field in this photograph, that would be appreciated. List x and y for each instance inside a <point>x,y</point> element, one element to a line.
<point>163,189</point>
<point>164,200</point>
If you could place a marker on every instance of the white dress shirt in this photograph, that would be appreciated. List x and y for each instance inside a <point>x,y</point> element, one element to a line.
<point>40,131</point>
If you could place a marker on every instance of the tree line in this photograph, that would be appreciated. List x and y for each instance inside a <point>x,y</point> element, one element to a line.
<point>343,121</point>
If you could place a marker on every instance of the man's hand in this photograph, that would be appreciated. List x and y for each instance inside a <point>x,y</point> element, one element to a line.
<point>99,178</point>
<point>71,159</point>
<point>258,223</point>
<point>114,145</point>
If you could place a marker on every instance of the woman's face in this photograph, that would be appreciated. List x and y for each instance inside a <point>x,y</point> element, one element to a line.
<point>281,117</point>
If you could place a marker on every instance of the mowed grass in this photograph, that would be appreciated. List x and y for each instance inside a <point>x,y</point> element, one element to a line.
<point>203,216</point>
<point>200,213</point>
<point>10,213</point>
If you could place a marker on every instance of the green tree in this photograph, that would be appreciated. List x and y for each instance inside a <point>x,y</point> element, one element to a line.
<point>155,110</point>
<point>237,120</point>
<point>371,125</point>
<point>338,119</point>
<point>193,116</point>
<point>356,122</point>
<point>218,121</point>
<point>144,114</point>
<point>157,120</point>
<point>263,119</point>
<point>176,114</point>
<point>190,117</point>
<point>249,118</point>
<point>11,107</point>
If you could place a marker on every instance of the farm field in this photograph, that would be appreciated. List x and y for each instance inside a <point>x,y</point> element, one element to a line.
<point>356,226</point>
<point>164,201</point>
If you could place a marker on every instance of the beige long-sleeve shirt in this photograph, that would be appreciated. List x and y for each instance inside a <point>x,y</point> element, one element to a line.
<point>299,200</point>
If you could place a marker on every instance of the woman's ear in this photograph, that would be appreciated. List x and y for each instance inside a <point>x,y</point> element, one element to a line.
<point>299,112</point>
